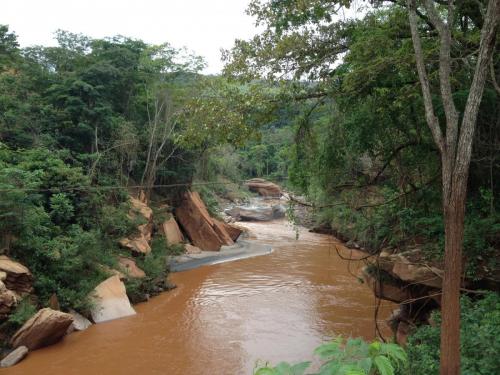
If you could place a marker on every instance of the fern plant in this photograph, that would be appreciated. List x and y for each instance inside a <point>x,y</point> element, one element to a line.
<point>356,357</point>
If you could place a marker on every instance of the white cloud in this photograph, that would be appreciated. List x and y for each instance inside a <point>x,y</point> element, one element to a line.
<point>202,26</point>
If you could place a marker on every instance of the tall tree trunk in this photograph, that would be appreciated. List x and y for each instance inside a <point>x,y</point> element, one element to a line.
<point>454,212</point>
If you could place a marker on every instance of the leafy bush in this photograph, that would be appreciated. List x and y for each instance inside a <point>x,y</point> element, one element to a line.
<point>356,357</point>
<point>210,199</point>
<point>24,310</point>
<point>155,265</point>
<point>55,218</point>
<point>480,329</point>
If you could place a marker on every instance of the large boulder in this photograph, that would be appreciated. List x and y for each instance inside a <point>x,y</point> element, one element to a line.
<point>204,231</point>
<point>44,328</point>
<point>172,232</point>
<point>256,213</point>
<point>16,277</point>
<point>263,187</point>
<point>408,268</point>
<point>110,301</point>
<point>130,268</point>
<point>14,357</point>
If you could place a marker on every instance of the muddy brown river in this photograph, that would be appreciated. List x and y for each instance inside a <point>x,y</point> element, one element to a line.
<point>222,319</point>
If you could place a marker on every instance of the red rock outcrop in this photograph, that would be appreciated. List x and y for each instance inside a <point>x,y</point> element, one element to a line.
<point>204,231</point>
<point>172,232</point>
<point>44,328</point>
<point>263,187</point>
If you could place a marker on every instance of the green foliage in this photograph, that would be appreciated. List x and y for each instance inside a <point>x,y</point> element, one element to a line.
<point>361,150</point>
<point>208,194</point>
<point>82,119</point>
<point>51,210</point>
<point>480,328</point>
<point>24,310</point>
<point>155,265</point>
<point>355,357</point>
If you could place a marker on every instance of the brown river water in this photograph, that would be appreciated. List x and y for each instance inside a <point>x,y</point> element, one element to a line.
<point>224,318</point>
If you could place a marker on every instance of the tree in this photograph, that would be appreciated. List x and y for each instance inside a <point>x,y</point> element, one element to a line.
<point>455,146</point>
<point>302,40</point>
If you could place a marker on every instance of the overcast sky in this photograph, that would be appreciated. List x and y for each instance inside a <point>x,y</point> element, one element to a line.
<point>204,26</point>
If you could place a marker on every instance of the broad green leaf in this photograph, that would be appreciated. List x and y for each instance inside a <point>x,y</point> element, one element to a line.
<point>282,368</point>
<point>383,365</point>
<point>395,352</point>
<point>299,368</point>
<point>351,369</point>
<point>365,364</point>
<point>328,350</point>
<point>330,368</point>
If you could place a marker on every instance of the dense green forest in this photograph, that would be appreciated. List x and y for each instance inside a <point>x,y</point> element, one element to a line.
<point>79,125</point>
<point>328,107</point>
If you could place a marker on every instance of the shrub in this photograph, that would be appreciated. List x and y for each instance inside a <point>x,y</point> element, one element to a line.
<point>480,328</point>
<point>24,310</point>
<point>54,215</point>
<point>356,357</point>
<point>155,265</point>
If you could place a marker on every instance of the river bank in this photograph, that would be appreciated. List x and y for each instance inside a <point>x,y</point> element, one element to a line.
<point>223,318</point>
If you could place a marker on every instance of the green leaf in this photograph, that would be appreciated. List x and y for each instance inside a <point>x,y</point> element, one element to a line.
<point>394,352</point>
<point>383,365</point>
<point>365,364</point>
<point>299,368</point>
<point>330,368</point>
<point>329,350</point>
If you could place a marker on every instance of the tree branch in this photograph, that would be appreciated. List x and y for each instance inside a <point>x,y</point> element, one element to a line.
<point>430,116</point>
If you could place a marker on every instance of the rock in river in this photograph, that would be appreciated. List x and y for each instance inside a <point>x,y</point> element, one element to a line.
<point>263,187</point>
<point>110,301</point>
<point>204,231</point>
<point>14,357</point>
<point>256,213</point>
<point>44,328</point>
